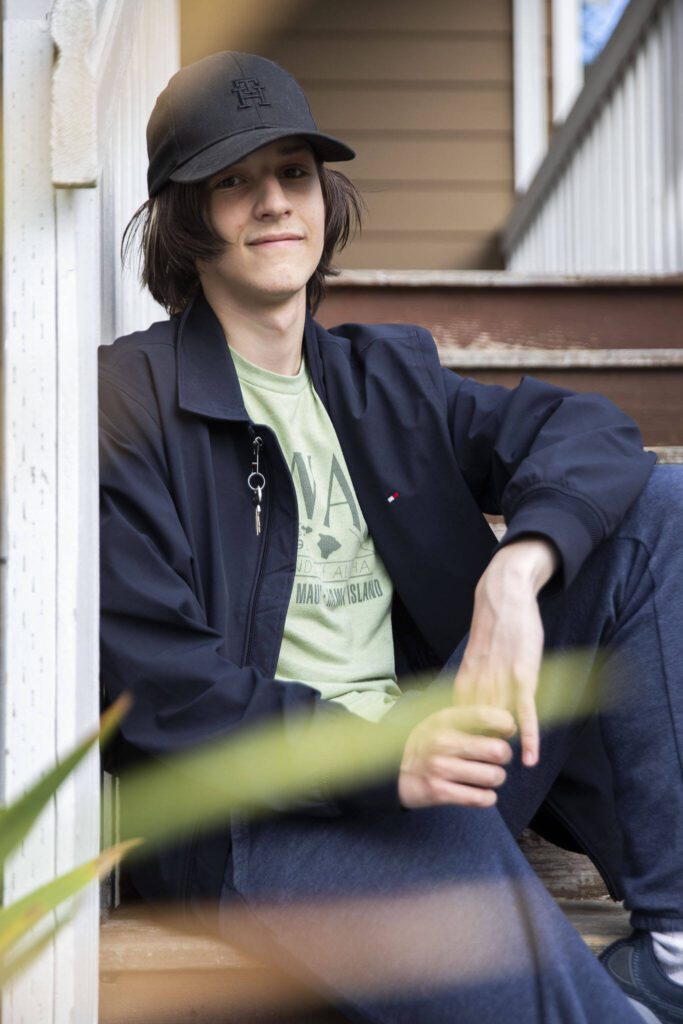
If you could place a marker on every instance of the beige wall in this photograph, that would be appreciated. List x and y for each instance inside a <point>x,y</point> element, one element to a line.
<point>421,90</point>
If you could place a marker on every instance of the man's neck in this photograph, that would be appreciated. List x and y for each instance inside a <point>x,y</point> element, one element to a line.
<point>269,337</point>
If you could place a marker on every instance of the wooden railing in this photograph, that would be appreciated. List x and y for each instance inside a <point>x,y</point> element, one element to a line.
<point>608,195</point>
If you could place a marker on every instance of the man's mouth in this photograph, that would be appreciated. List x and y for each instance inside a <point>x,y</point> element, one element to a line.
<point>275,240</point>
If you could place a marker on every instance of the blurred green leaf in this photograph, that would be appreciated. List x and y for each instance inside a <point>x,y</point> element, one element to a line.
<point>20,917</point>
<point>275,764</point>
<point>17,819</point>
<point>13,963</point>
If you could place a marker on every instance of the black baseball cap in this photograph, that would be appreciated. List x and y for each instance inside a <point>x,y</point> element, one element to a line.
<point>215,111</point>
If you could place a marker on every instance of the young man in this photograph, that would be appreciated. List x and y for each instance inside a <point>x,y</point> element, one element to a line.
<point>292,525</point>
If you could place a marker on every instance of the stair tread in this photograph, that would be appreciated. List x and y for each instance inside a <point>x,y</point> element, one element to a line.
<point>152,974</point>
<point>132,941</point>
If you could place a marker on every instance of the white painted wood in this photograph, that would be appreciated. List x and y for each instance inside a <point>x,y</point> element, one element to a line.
<point>624,177</point>
<point>566,51</point>
<point>677,107</point>
<point>672,116</point>
<point>74,128</point>
<point>653,144</point>
<point>629,169</point>
<point>617,181</point>
<point>530,93</point>
<point>60,251</point>
<point>77,706</point>
<point>643,164</point>
<point>29,470</point>
<point>593,223</point>
<point>582,199</point>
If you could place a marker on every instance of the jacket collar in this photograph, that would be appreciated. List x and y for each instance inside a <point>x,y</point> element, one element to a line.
<point>207,379</point>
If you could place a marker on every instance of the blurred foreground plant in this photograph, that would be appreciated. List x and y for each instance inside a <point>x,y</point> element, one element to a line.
<point>273,764</point>
<point>16,820</point>
<point>245,773</point>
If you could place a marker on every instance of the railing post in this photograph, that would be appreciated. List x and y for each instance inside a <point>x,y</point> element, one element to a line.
<point>74,150</point>
<point>530,89</point>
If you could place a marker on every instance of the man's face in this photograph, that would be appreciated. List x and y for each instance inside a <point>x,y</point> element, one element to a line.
<point>274,191</point>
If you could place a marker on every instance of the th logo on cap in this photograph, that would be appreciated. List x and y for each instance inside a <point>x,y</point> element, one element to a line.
<point>249,93</point>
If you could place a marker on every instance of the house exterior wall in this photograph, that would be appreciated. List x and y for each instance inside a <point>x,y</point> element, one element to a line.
<point>422,92</point>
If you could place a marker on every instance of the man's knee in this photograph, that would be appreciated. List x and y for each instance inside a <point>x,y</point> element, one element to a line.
<point>658,510</point>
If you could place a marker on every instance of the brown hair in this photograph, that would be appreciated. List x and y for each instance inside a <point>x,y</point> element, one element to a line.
<point>176,231</point>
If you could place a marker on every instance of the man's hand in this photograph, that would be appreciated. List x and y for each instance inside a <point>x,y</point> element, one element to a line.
<point>502,659</point>
<point>456,756</point>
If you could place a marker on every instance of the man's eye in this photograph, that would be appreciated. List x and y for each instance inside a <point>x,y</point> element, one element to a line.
<point>228,181</point>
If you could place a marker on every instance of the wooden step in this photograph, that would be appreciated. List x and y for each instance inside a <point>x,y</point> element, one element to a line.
<point>497,308</point>
<point>153,971</point>
<point>566,875</point>
<point>152,974</point>
<point>526,358</point>
<point>616,335</point>
<point>672,454</point>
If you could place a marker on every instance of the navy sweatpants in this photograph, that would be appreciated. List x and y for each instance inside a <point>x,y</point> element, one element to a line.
<point>434,915</point>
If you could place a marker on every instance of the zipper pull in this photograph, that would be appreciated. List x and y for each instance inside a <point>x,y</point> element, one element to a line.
<point>256,482</point>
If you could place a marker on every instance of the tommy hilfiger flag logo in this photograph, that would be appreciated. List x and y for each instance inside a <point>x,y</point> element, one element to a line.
<point>392,497</point>
<point>250,92</point>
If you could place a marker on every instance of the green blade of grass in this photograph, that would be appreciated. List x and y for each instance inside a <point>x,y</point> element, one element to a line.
<point>17,819</point>
<point>273,764</point>
<point>19,917</point>
<point>14,963</point>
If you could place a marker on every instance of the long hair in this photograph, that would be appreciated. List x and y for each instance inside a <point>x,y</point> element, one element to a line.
<point>175,231</point>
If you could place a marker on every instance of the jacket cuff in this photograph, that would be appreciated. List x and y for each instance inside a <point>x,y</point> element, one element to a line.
<point>571,524</point>
<point>380,796</point>
<point>382,793</point>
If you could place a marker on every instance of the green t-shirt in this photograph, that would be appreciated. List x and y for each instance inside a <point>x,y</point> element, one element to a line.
<point>337,634</point>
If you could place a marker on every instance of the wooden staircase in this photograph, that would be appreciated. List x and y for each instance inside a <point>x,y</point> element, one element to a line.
<point>151,972</point>
<point>620,337</point>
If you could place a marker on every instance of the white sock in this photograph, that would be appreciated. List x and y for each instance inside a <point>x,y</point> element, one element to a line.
<point>668,947</point>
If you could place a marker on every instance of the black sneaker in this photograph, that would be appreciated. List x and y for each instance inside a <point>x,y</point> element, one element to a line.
<point>632,964</point>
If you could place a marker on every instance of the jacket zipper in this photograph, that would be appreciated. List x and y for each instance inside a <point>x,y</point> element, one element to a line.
<point>259,454</point>
<point>262,535</point>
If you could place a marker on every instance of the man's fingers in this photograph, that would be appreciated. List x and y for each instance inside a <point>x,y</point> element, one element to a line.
<point>489,749</point>
<point>528,728</point>
<point>484,719</point>
<point>470,773</point>
<point>447,792</point>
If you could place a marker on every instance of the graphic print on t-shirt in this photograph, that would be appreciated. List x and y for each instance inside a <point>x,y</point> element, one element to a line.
<point>337,635</point>
<point>335,559</point>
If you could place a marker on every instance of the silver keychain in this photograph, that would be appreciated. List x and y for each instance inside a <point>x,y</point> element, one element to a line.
<point>256,482</point>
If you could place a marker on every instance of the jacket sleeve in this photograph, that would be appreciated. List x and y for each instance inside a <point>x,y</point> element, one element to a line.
<point>155,641</point>
<point>553,462</point>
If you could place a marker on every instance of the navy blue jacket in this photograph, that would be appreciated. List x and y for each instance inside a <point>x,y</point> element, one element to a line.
<point>193,603</point>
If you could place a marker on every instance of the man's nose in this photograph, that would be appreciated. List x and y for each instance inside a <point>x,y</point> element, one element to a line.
<point>272,198</point>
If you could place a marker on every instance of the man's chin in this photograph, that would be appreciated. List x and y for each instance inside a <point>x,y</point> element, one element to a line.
<point>265,295</point>
<point>279,292</point>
